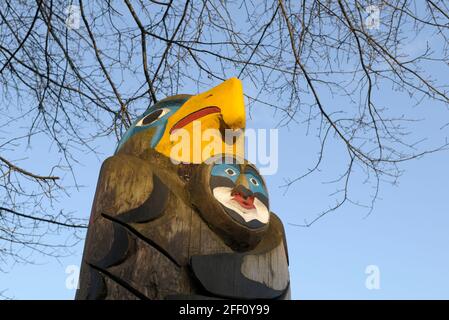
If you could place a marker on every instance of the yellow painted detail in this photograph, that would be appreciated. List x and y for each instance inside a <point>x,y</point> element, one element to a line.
<point>200,139</point>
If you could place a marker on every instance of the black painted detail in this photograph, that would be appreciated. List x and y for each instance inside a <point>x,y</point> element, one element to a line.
<point>286,294</point>
<point>152,208</point>
<point>252,224</point>
<point>145,239</point>
<point>262,199</point>
<point>97,287</point>
<point>218,181</point>
<point>150,118</point>
<point>220,274</point>
<point>121,282</point>
<point>119,248</point>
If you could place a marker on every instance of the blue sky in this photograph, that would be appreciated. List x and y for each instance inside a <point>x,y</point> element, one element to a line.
<point>405,236</point>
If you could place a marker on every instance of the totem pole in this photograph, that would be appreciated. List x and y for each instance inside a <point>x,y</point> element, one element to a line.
<point>174,220</point>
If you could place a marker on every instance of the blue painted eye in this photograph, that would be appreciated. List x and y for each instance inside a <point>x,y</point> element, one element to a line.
<point>228,171</point>
<point>254,181</point>
<point>152,117</point>
<point>256,184</point>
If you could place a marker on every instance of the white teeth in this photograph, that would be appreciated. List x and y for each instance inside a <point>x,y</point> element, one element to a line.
<point>260,212</point>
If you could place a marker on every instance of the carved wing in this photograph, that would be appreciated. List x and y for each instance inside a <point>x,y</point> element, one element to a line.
<point>127,191</point>
<point>261,273</point>
<point>144,242</point>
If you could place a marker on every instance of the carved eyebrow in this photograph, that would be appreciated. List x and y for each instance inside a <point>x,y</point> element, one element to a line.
<point>233,166</point>
<point>253,171</point>
<point>248,168</point>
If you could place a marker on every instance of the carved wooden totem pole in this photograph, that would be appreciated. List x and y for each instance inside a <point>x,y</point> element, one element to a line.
<point>167,224</point>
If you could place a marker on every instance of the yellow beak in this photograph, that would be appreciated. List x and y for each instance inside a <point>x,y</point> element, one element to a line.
<point>201,128</point>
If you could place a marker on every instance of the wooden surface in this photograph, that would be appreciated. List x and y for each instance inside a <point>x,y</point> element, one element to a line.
<point>147,241</point>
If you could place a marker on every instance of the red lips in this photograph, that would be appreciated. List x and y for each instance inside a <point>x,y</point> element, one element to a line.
<point>245,202</point>
<point>194,116</point>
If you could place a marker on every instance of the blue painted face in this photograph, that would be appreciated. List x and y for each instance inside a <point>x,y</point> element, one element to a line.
<point>256,184</point>
<point>232,172</point>
<point>229,171</point>
<point>241,192</point>
<point>155,116</point>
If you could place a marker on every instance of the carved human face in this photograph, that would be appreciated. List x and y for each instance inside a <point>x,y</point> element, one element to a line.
<point>232,198</point>
<point>242,193</point>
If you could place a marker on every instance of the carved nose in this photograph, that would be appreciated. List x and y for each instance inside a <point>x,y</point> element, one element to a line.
<point>242,191</point>
<point>243,196</point>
